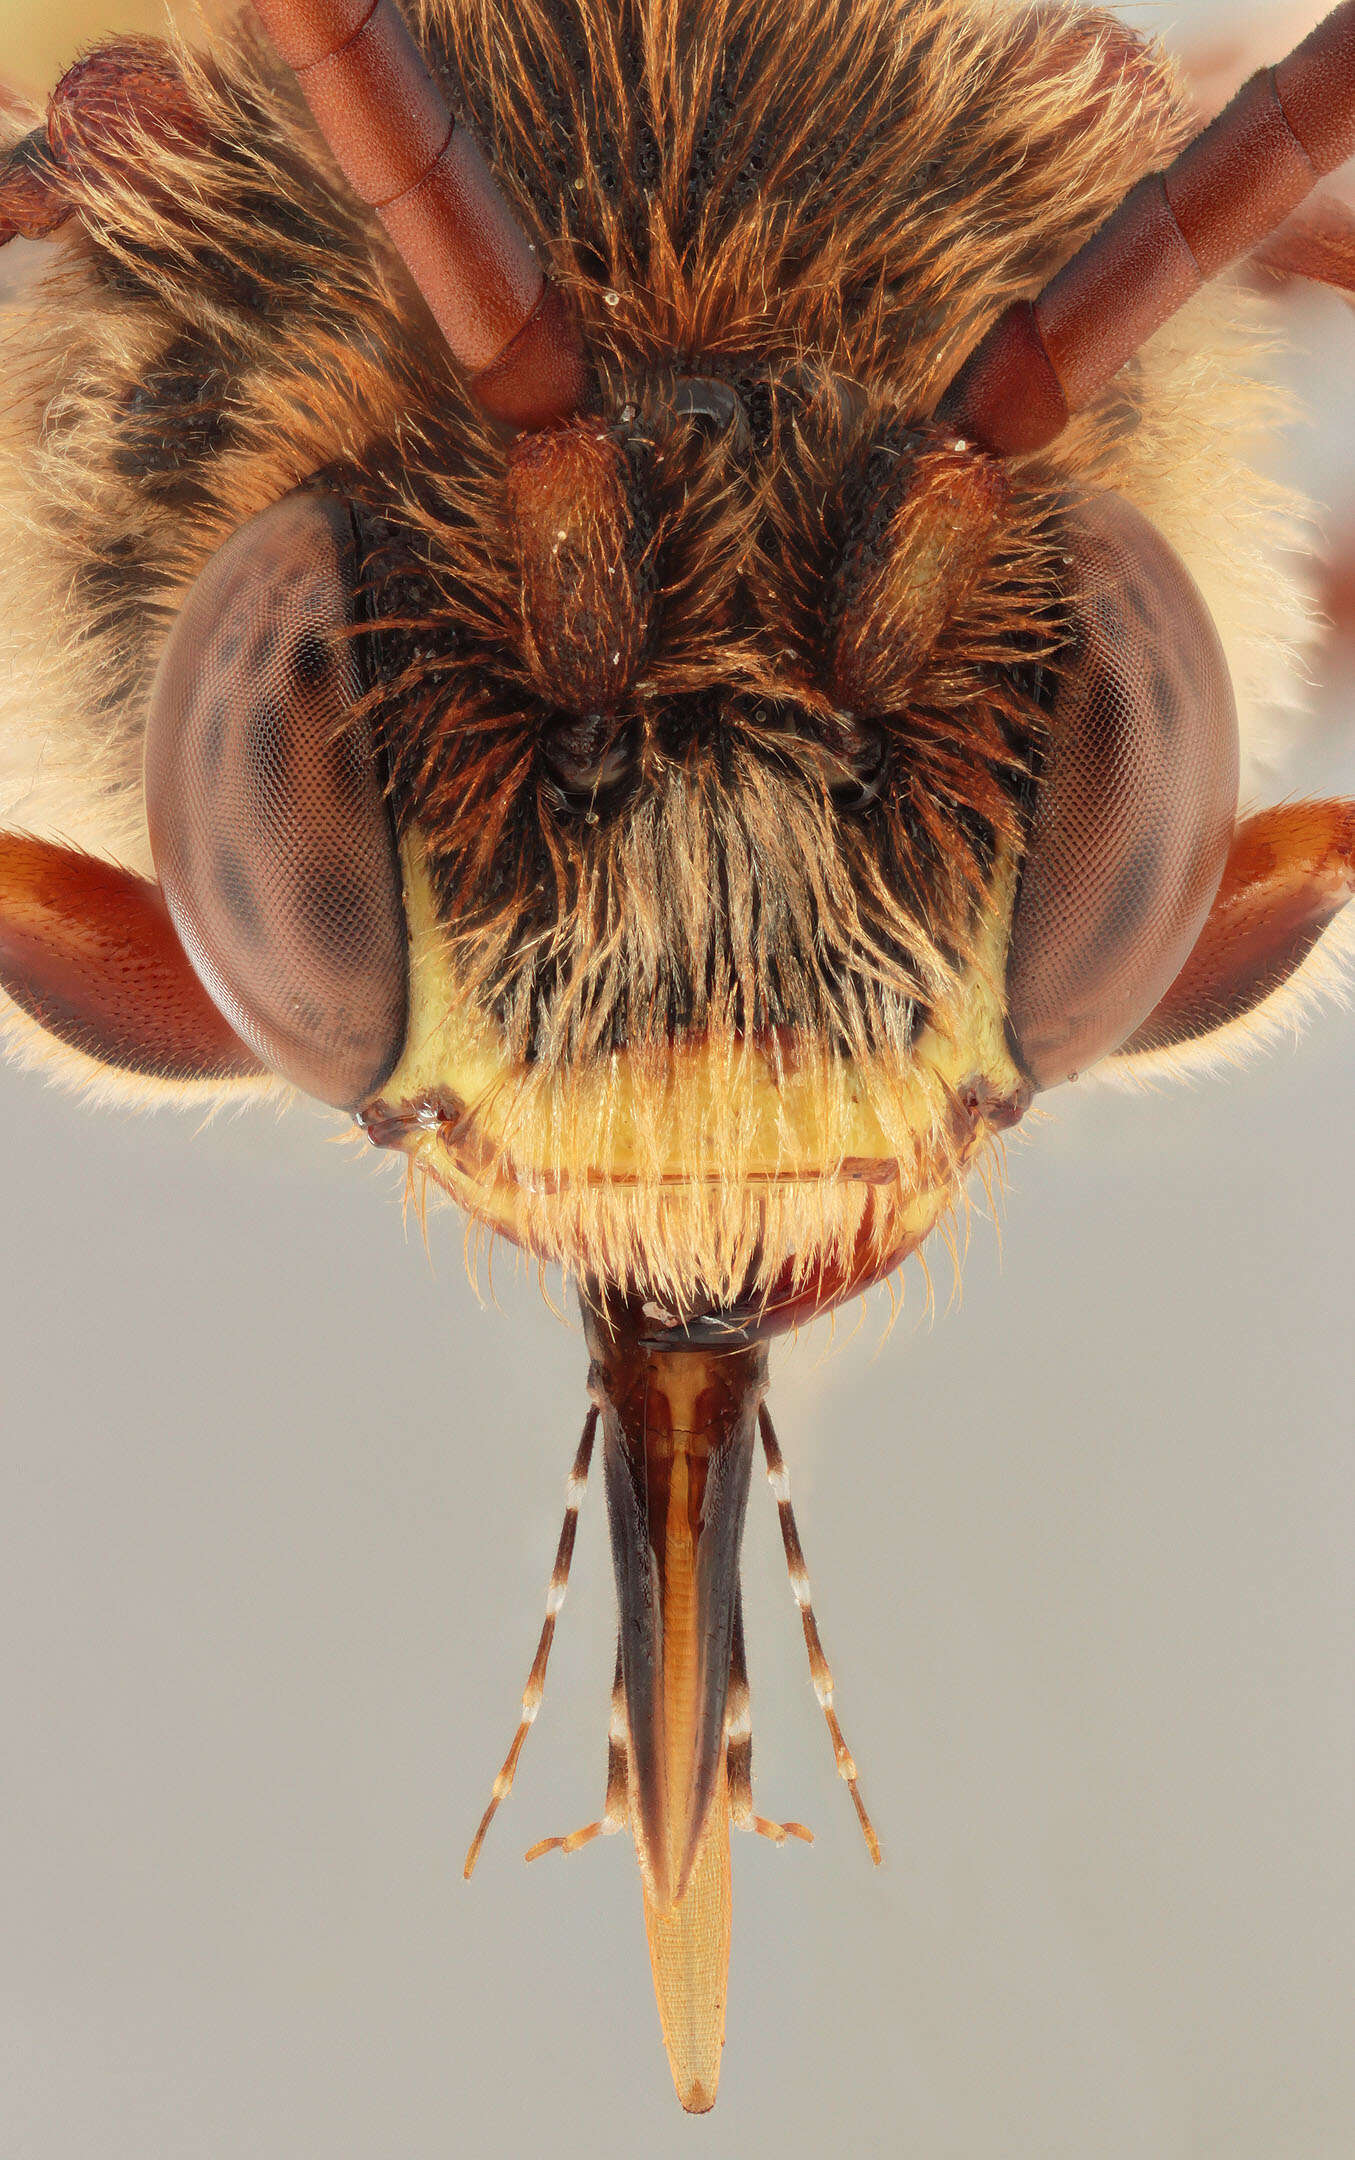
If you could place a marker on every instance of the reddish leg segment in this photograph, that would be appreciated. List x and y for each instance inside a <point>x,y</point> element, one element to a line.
<point>89,952</point>
<point>101,114</point>
<point>1317,243</point>
<point>1338,588</point>
<point>32,198</point>
<point>1290,872</point>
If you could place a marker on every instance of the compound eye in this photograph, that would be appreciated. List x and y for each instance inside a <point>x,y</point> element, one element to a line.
<point>1136,802</point>
<point>268,819</point>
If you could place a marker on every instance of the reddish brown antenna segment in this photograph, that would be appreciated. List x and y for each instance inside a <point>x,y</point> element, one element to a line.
<point>1227,192</point>
<point>398,145</point>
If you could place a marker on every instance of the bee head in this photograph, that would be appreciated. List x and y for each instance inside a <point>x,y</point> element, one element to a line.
<point>737,798</point>
<point>642,825</point>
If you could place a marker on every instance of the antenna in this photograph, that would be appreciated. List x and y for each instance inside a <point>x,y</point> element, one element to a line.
<point>398,145</point>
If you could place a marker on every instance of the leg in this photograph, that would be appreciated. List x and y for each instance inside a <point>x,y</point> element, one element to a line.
<point>106,113</point>
<point>739,1748</point>
<point>88,951</point>
<point>1317,243</point>
<point>32,195</point>
<point>616,1806</point>
<point>820,1670</point>
<point>1290,872</point>
<point>555,1598</point>
<point>1338,588</point>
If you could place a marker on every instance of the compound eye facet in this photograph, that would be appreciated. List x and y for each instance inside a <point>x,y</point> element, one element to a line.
<point>1136,802</point>
<point>268,818</point>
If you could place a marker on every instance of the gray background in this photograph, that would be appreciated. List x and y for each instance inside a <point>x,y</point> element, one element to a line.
<point>278,1507</point>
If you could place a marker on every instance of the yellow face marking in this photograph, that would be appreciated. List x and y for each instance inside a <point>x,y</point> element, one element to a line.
<point>685,1163</point>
